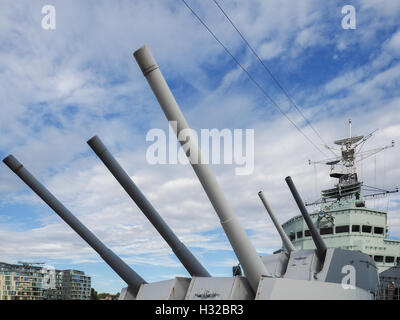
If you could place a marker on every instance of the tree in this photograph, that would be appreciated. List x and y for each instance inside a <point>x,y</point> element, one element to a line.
<point>93,294</point>
<point>107,296</point>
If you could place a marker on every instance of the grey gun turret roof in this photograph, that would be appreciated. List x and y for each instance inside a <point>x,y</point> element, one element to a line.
<point>120,267</point>
<point>285,239</point>
<point>192,265</point>
<point>318,241</point>
<point>246,253</point>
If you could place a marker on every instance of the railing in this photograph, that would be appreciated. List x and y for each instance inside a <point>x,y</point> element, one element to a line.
<point>387,292</point>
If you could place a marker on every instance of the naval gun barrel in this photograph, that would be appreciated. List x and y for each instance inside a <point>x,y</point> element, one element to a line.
<point>192,265</point>
<point>285,239</point>
<point>318,241</point>
<point>120,267</point>
<point>244,250</point>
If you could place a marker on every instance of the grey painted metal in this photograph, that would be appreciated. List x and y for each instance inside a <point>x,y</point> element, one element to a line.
<point>285,239</point>
<point>244,250</point>
<point>192,265</point>
<point>303,265</point>
<point>174,289</point>
<point>219,288</point>
<point>340,266</point>
<point>120,267</point>
<point>318,241</point>
<point>355,264</point>
<point>294,289</point>
<point>391,275</point>
<point>127,294</point>
<point>277,263</point>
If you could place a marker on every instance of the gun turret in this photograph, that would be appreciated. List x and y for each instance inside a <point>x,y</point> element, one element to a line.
<point>192,265</point>
<point>244,250</point>
<point>133,280</point>
<point>285,239</point>
<point>318,241</point>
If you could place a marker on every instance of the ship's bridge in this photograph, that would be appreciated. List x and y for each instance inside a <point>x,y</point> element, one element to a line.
<point>343,224</point>
<point>343,219</point>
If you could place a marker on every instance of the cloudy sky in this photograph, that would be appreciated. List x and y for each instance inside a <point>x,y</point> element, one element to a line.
<point>60,87</point>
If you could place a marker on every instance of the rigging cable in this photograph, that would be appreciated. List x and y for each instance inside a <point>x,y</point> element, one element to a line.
<point>274,78</point>
<point>384,169</point>
<point>375,178</point>
<point>251,77</point>
<point>316,179</point>
<point>387,205</point>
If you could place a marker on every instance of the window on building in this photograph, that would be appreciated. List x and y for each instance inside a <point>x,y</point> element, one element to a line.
<point>326,230</point>
<point>342,229</point>
<point>366,229</point>
<point>398,260</point>
<point>355,228</point>
<point>299,234</point>
<point>378,230</point>
<point>389,259</point>
<point>307,233</point>
<point>378,258</point>
<point>291,236</point>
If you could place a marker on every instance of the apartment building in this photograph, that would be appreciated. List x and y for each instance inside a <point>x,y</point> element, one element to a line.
<point>28,282</point>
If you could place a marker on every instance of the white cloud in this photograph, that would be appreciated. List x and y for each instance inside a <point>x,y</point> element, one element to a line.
<point>394,44</point>
<point>344,82</point>
<point>269,50</point>
<point>308,37</point>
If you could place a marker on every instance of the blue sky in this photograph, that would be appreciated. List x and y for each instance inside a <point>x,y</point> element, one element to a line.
<point>59,88</point>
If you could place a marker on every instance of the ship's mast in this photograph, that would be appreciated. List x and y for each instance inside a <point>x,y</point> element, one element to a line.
<point>350,128</point>
<point>350,153</point>
<point>348,147</point>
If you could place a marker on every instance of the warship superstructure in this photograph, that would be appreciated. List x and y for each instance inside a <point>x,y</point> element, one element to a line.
<point>343,219</point>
